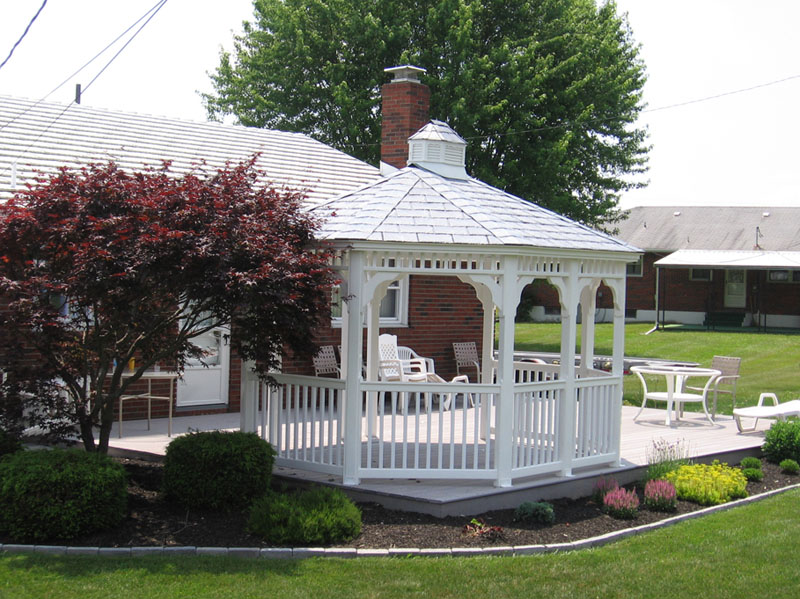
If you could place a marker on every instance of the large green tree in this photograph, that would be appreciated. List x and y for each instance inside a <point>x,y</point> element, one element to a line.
<point>546,92</point>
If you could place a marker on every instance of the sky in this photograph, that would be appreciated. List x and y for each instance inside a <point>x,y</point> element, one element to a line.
<point>736,149</point>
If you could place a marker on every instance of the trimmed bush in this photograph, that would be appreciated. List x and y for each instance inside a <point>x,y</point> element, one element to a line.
<point>753,474</point>
<point>750,462</point>
<point>660,496</point>
<point>540,512</point>
<point>217,470</point>
<point>60,494</point>
<point>621,504</point>
<point>709,484</point>
<point>789,467</point>
<point>603,486</point>
<point>8,443</point>
<point>316,517</point>
<point>782,441</point>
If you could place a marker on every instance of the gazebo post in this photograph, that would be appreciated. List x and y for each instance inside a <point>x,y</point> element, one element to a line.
<point>618,356</point>
<point>505,403</point>
<point>352,365</point>
<point>588,304</point>
<point>567,413</point>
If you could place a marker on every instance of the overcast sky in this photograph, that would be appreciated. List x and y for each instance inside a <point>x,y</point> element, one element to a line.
<point>738,149</point>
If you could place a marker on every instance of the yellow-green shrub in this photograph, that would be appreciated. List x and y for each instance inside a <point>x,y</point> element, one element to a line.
<point>708,484</point>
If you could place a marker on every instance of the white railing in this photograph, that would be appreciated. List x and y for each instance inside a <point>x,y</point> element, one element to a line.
<point>445,430</point>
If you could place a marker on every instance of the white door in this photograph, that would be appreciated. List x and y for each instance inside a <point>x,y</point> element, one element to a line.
<point>205,382</point>
<point>735,289</point>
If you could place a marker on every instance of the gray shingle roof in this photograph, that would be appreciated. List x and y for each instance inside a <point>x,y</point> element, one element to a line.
<point>670,228</point>
<point>417,206</point>
<point>34,137</point>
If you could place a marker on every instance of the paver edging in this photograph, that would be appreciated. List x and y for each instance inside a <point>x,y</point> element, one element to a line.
<point>350,552</point>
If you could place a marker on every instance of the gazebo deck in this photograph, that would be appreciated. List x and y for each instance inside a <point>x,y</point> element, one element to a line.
<point>453,497</point>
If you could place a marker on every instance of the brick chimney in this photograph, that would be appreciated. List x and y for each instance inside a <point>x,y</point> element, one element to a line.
<point>406,101</point>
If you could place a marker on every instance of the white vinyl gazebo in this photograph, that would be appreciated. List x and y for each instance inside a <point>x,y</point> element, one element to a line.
<point>522,419</point>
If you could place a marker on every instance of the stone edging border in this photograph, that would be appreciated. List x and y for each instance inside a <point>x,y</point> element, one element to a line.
<point>351,552</point>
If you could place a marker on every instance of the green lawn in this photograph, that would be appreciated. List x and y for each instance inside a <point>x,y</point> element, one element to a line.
<point>749,551</point>
<point>770,361</point>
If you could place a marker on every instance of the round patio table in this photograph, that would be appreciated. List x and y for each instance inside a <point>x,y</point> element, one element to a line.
<point>675,396</point>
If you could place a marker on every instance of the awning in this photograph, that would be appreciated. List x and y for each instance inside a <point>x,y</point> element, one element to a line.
<point>738,259</point>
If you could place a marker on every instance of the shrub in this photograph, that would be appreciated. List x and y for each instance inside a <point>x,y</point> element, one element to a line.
<point>789,467</point>
<point>603,486</point>
<point>8,443</point>
<point>753,474</point>
<point>539,512</point>
<point>621,503</point>
<point>217,470</point>
<point>60,494</point>
<point>782,441</point>
<point>708,484</point>
<point>316,517</point>
<point>750,462</point>
<point>660,496</point>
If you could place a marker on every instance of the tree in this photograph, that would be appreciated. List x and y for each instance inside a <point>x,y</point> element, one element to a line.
<point>545,91</point>
<point>98,266</point>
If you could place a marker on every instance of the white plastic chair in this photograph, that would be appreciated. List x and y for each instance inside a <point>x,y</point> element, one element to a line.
<point>408,355</point>
<point>392,368</point>
<point>467,357</point>
<point>325,362</point>
<point>777,410</point>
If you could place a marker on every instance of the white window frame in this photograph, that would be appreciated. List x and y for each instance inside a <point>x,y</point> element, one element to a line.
<point>692,276</point>
<point>400,317</point>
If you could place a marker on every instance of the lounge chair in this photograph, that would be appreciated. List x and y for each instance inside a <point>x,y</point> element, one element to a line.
<point>777,410</point>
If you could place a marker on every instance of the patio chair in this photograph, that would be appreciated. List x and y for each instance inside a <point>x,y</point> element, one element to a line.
<point>777,410</point>
<point>407,355</point>
<point>325,362</point>
<point>392,368</point>
<point>729,367</point>
<point>467,357</point>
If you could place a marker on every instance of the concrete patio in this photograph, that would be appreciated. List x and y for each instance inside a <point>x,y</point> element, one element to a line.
<point>454,497</point>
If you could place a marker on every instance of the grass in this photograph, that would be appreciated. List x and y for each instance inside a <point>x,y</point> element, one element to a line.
<point>770,361</point>
<point>744,552</point>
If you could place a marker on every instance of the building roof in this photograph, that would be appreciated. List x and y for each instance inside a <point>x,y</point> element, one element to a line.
<point>43,137</point>
<point>670,228</point>
<point>415,205</point>
<point>736,259</point>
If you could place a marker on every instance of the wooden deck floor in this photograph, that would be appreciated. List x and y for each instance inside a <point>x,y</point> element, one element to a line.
<point>702,440</point>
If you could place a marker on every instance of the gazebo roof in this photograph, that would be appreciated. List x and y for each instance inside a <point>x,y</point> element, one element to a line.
<point>415,205</point>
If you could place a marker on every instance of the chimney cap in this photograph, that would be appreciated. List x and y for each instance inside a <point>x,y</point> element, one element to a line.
<point>405,73</point>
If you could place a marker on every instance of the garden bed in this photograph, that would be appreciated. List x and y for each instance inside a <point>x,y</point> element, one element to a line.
<point>152,521</point>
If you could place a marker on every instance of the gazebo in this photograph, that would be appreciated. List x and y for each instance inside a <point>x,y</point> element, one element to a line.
<point>522,418</point>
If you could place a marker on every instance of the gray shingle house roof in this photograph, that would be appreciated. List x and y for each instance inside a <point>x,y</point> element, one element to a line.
<point>418,206</point>
<point>670,228</point>
<point>42,137</point>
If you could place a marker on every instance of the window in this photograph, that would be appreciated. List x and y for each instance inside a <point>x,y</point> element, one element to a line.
<point>784,276</point>
<point>393,309</point>
<point>634,269</point>
<point>699,274</point>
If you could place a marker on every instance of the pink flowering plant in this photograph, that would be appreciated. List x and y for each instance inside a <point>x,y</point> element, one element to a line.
<point>660,496</point>
<point>602,486</point>
<point>621,504</point>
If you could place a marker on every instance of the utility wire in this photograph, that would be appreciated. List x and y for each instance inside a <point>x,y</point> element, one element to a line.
<point>86,64</point>
<point>157,8</point>
<point>24,33</point>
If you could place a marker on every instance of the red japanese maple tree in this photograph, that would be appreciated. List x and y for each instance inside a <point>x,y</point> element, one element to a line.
<point>100,265</point>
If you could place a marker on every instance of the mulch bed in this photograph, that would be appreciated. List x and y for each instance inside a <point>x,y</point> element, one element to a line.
<point>152,521</point>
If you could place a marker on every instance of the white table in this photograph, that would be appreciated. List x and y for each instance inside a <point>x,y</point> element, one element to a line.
<point>150,376</point>
<point>675,395</point>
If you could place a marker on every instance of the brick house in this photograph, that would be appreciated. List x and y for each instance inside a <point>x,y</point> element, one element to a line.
<point>714,266</point>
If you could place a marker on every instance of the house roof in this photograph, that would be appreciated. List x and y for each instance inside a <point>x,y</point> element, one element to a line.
<point>737,259</point>
<point>44,136</point>
<point>670,228</point>
<point>415,205</point>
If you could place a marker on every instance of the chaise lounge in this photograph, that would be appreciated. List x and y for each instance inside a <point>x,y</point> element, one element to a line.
<point>777,410</point>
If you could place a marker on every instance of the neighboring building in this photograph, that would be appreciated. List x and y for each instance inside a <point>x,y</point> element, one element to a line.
<point>714,265</point>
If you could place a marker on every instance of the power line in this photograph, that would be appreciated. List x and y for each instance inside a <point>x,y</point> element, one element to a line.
<point>24,33</point>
